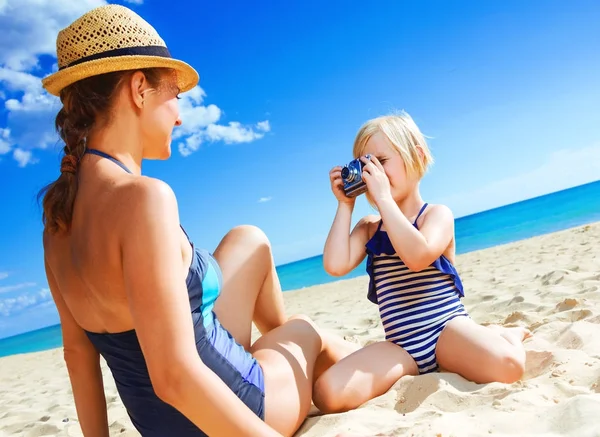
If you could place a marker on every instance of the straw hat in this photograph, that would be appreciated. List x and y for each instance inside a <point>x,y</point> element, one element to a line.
<point>111,38</point>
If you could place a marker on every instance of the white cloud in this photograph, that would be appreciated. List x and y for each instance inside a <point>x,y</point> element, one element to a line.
<point>562,169</point>
<point>29,29</point>
<point>3,275</point>
<point>199,125</point>
<point>14,305</point>
<point>23,157</point>
<point>264,126</point>
<point>264,199</point>
<point>4,141</point>
<point>8,288</point>
<point>30,117</point>
<point>234,132</point>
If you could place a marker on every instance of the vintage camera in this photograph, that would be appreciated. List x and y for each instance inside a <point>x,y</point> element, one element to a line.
<point>354,185</point>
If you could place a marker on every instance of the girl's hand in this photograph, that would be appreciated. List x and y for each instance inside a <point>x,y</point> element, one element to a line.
<point>337,186</point>
<point>376,179</point>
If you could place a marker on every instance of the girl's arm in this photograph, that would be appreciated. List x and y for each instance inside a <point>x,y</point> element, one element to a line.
<point>83,365</point>
<point>418,248</point>
<point>345,250</point>
<point>160,308</point>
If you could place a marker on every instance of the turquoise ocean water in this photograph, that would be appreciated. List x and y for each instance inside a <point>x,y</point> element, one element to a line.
<point>541,215</point>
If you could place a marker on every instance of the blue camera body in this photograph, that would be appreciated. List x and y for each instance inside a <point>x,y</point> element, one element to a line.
<point>354,185</point>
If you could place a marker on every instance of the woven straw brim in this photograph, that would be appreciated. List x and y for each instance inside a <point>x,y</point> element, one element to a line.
<point>187,77</point>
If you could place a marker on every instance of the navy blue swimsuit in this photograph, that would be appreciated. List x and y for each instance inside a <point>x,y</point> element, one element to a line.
<point>414,307</point>
<point>217,348</point>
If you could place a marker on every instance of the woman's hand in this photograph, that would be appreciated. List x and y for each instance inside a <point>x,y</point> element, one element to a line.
<point>377,181</point>
<point>337,186</point>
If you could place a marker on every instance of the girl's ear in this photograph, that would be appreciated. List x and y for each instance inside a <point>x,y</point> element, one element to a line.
<point>420,152</point>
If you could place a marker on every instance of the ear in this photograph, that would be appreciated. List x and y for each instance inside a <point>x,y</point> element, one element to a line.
<point>420,152</point>
<point>138,87</point>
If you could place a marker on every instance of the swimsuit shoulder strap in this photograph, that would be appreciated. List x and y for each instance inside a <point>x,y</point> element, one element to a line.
<point>107,156</point>
<point>120,164</point>
<point>419,214</point>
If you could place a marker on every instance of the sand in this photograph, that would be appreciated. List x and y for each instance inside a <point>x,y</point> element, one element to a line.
<point>550,284</point>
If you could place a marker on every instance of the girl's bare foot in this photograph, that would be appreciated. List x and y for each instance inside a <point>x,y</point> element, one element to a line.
<point>515,335</point>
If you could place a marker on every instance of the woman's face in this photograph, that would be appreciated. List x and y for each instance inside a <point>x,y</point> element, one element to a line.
<point>159,117</point>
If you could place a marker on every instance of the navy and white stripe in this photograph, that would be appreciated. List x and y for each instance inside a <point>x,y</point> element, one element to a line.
<point>414,307</point>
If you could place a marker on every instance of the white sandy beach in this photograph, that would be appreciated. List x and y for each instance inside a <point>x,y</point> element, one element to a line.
<point>551,284</point>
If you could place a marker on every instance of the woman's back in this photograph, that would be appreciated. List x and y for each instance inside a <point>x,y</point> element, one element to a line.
<point>87,264</point>
<point>90,277</point>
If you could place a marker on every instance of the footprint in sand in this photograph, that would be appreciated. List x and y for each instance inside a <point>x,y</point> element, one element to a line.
<point>537,363</point>
<point>514,317</point>
<point>554,277</point>
<point>594,320</point>
<point>516,299</point>
<point>570,340</point>
<point>567,304</point>
<point>596,386</point>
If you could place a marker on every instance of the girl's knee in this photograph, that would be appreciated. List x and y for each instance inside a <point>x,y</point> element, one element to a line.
<point>510,367</point>
<point>327,394</point>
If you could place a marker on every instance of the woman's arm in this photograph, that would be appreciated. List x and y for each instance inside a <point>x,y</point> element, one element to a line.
<point>159,303</point>
<point>83,365</point>
<point>344,250</point>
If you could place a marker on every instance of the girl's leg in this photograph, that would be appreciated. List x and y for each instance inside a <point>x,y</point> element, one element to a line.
<point>482,354</point>
<point>362,376</point>
<point>251,289</point>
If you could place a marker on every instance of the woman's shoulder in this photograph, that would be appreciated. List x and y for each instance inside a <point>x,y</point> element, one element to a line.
<point>144,191</point>
<point>142,199</point>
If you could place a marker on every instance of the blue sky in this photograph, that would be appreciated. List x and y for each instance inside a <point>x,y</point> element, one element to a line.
<point>507,90</point>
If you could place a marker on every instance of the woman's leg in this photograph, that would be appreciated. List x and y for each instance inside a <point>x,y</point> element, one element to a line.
<point>251,292</point>
<point>251,289</point>
<point>482,354</point>
<point>362,376</point>
<point>287,355</point>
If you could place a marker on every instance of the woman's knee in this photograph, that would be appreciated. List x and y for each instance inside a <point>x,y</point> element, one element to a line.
<point>250,234</point>
<point>298,330</point>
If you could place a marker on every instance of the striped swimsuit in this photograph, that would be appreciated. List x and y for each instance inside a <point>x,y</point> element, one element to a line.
<point>414,306</point>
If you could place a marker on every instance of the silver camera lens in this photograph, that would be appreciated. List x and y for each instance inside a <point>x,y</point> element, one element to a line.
<point>346,175</point>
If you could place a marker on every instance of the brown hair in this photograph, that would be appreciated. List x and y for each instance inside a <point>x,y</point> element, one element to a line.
<point>84,102</point>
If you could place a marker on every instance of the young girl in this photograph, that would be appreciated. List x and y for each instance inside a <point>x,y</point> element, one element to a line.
<point>410,249</point>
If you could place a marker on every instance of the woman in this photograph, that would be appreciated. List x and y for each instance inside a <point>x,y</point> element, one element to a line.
<point>172,321</point>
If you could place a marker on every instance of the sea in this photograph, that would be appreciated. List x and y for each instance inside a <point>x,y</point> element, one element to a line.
<point>529,218</point>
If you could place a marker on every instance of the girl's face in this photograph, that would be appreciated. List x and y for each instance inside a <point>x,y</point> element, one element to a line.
<point>401,184</point>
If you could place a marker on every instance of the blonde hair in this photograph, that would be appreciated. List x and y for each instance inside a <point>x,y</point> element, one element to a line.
<point>404,136</point>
